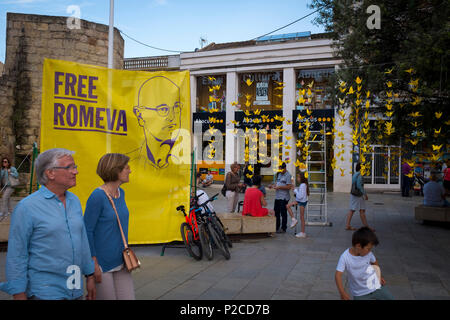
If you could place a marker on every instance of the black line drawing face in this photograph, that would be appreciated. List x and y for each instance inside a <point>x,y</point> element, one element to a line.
<point>160,118</point>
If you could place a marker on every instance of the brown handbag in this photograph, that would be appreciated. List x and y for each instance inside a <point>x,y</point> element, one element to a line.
<point>129,258</point>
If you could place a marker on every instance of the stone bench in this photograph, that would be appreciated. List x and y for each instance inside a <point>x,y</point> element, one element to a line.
<point>425,213</point>
<point>235,223</point>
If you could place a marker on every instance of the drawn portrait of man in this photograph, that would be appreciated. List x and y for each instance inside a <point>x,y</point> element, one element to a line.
<point>158,112</point>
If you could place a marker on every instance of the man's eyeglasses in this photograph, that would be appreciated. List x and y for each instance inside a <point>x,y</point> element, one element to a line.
<point>70,167</point>
<point>163,109</point>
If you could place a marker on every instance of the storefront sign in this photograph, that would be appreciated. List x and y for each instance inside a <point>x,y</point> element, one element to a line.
<point>209,120</point>
<point>264,120</point>
<point>317,118</point>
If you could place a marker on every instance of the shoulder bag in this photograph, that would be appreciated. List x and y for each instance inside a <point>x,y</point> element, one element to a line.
<point>14,182</point>
<point>355,191</point>
<point>130,260</point>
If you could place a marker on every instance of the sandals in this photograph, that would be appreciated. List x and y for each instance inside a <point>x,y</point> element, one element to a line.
<point>350,228</point>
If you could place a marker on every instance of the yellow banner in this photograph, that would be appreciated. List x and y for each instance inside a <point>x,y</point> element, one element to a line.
<point>146,115</point>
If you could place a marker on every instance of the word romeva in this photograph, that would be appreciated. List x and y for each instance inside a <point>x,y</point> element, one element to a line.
<point>90,117</point>
<point>69,86</point>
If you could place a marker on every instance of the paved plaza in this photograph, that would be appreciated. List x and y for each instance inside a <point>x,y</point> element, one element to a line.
<point>414,259</point>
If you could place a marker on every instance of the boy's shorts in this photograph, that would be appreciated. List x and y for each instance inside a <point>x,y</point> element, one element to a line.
<point>302,204</point>
<point>379,294</point>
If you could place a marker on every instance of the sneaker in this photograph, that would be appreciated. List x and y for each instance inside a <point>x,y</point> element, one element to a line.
<point>300,235</point>
<point>293,222</point>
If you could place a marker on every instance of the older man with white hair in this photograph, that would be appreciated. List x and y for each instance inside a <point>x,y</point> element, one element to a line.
<point>48,249</point>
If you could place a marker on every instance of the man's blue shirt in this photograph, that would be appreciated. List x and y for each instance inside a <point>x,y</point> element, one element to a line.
<point>47,245</point>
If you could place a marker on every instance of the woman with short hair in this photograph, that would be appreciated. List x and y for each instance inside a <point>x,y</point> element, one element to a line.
<point>113,281</point>
<point>7,170</point>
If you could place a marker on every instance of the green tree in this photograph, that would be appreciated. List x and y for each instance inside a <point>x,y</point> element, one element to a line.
<point>410,51</point>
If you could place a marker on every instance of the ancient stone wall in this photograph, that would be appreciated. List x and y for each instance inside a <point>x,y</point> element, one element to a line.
<point>30,39</point>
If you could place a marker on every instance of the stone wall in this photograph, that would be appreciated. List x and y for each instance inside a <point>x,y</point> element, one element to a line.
<point>30,39</point>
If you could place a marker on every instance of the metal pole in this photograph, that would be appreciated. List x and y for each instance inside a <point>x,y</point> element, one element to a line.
<point>111,35</point>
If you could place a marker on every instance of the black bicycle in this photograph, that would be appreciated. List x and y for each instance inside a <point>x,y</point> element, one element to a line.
<point>214,227</point>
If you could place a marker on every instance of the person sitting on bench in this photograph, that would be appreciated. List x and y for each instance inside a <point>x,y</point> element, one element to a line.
<point>254,201</point>
<point>208,180</point>
<point>434,193</point>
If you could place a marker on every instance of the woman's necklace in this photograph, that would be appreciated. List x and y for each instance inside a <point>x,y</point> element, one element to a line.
<point>112,193</point>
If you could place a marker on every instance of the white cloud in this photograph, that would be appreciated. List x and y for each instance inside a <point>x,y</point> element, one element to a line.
<point>161,2</point>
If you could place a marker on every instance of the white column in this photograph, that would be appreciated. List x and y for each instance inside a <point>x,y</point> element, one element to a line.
<point>231,95</point>
<point>288,107</point>
<point>343,183</point>
<point>197,137</point>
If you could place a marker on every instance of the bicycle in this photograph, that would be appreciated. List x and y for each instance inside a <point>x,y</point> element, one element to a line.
<point>215,228</point>
<point>190,233</point>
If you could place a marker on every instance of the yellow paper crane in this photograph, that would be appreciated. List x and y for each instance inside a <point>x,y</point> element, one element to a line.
<point>341,100</point>
<point>234,122</point>
<point>217,87</point>
<point>247,113</point>
<point>234,103</point>
<point>388,71</point>
<point>211,79</point>
<point>350,91</point>
<point>277,117</point>
<point>308,112</point>
<point>342,89</point>
<point>389,114</point>
<point>342,172</point>
<point>257,112</point>
<point>341,113</point>
<point>310,85</point>
<point>416,101</point>
<point>389,130</point>
<point>368,94</point>
<point>358,80</point>
<point>389,84</point>
<point>248,96</point>
<point>248,103</point>
<point>279,83</point>
<point>436,132</point>
<point>410,70</point>
<point>414,83</point>
<point>248,82</point>
<point>279,95</point>
<point>414,142</point>
<point>436,148</point>
<point>301,100</point>
<point>415,124</point>
<point>438,114</point>
<point>415,114</point>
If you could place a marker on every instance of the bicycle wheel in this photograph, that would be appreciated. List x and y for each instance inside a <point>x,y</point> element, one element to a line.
<point>221,229</point>
<point>205,241</point>
<point>193,247</point>
<point>223,248</point>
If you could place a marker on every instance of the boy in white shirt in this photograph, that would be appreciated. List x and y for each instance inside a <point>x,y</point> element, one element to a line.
<point>363,273</point>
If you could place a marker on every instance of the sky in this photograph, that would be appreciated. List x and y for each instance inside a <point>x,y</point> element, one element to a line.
<point>175,25</point>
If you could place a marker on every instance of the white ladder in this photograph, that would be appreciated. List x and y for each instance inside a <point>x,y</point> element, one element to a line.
<point>316,164</point>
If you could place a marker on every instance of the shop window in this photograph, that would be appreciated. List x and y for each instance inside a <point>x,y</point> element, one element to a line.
<point>260,91</point>
<point>313,89</point>
<point>211,93</point>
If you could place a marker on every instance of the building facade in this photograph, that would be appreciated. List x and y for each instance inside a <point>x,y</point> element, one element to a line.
<point>277,78</point>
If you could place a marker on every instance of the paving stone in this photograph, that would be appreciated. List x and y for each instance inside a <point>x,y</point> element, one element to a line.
<point>414,259</point>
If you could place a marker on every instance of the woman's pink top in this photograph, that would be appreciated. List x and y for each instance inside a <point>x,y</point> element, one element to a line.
<point>252,203</point>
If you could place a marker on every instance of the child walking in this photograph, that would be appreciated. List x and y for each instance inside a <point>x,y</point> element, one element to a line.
<point>363,273</point>
<point>301,199</point>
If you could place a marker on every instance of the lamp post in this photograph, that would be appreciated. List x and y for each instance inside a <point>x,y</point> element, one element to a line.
<point>111,35</point>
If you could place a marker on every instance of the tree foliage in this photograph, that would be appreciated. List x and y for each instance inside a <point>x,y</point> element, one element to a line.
<point>410,51</point>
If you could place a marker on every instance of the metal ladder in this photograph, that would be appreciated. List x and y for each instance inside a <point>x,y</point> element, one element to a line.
<point>316,163</point>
